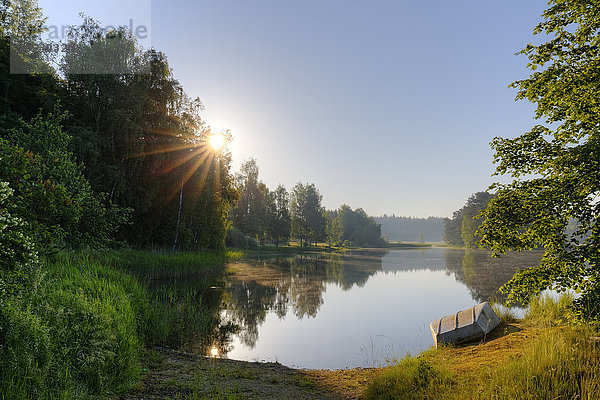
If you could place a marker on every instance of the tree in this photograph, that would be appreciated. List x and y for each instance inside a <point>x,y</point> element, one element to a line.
<point>333,227</point>
<point>143,142</point>
<point>555,167</point>
<point>250,212</point>
<point>358,228</point>
<point>22,94</point>
<point>282,222</point>
<point>468,229</point>
<point>307,222</point>
<point>461,229</point>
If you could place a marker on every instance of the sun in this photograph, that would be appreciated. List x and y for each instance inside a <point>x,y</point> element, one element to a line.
<point>216,141</point>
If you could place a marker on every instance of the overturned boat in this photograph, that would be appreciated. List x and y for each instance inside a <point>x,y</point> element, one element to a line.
<point>465,326</point>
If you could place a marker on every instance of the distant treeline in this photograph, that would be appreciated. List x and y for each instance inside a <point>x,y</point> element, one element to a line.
<point>411,229</point>
<point>264,215</point>
<point>460,230</point>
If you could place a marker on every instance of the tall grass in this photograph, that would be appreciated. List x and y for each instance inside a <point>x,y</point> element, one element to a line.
<point>73,335</point>
<point>77,330</point>
<point>412,378</point>
<point>178,308</point>
<point>562,364</point>
<point>546,310</point>
<point>164,265</point>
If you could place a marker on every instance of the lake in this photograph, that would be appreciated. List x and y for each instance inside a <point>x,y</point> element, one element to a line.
<point>358,309</point>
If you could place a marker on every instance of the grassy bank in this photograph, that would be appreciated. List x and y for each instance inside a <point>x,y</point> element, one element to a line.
<point>540,357</point>
<point>81,321</point>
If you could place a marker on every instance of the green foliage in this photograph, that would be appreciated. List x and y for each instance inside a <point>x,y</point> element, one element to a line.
<point>461,229</point>
<point>281,220</point>
<point>237,239</point>
<point>250,215</point>
<point>352,227</point>
<point>306,212</point>
<point>555,167</point>
<point>16,247</point>
<point>143,142</point>
<point>468,229</point>
<point>51,192</point>
<point>259,213</point>
<point>333,227</point>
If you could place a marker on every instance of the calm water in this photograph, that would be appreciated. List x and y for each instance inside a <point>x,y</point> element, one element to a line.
<point>353,310</point>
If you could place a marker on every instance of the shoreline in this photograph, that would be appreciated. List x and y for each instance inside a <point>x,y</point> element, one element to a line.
<point>173,373</point>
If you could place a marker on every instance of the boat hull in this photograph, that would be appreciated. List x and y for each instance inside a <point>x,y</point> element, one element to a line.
<point>465,326</point>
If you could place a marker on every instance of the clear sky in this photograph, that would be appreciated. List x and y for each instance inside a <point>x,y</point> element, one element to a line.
<point>385,105</point>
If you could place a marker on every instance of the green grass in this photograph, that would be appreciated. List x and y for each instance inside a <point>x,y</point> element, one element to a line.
<point>411,378</point>
<point>179,308</point>
<point>78,328</point>
<point>549,311</point>
<point>74,334</point>
<point>541,357</point>
<point>562,364</point>
<point>165,265</point>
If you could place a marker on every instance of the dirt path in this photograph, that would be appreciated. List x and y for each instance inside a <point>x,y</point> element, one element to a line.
<point>174,374</point>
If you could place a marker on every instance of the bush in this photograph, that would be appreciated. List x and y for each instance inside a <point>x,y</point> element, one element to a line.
<point>237,239</point>
<point>587,307</point>
<point>16,247</point>
<point>52,195</point>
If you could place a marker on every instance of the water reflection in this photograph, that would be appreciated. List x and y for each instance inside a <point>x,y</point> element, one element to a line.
<point>483,274</point>
<point>347,300</point>
<point>295,283</point>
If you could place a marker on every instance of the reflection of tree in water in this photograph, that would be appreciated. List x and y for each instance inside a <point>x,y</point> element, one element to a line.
<point>247,304</point>
<point>484,274</point>
<point>295,283</point>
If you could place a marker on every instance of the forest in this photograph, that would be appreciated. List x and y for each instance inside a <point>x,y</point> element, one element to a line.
<point>106,166</point>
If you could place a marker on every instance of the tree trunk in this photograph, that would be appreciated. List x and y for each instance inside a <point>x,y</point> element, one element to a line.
<point>178,215</point>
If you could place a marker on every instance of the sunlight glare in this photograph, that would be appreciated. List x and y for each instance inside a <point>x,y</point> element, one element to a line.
<point>217,141</point>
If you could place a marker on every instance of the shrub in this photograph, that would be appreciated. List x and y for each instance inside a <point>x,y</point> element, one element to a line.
<point>52,195</point>
<point>237,239</point>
